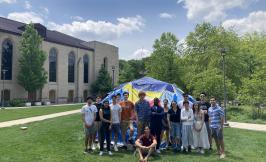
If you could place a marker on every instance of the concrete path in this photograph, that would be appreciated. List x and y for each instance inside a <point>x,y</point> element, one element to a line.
<point>248,126</point>
<point>36,118</point>
<point>25,107</point>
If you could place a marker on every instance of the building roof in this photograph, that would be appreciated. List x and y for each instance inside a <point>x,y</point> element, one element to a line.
<point>16,28</point>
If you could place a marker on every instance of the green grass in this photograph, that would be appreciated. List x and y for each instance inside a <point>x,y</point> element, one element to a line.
<point>61,139</point>
<point>12,114</point>
<point>245,114</point>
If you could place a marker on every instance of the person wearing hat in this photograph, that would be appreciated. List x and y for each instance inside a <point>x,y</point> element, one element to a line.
<point>143,110</point>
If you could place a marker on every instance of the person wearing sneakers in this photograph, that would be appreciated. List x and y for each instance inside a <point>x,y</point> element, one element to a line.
<point>145,144</point>
<point>88,112</point>
<point>126,122</point>
<point>216,119</point>
<point>99,105</point>
<point>156,125</point>
<point>105,127</point>
<point>116,119</point>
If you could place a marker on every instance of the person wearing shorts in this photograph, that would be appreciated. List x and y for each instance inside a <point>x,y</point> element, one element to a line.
<point>216,119</point>
<point>116,119</point>
<point>175,126</point>
<point>99,105</point>
<point>88,112</point>
<point>126,114</point>
<point>145,144</point>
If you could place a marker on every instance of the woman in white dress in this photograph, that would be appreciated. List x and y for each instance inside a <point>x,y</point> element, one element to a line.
<point>200,134</point>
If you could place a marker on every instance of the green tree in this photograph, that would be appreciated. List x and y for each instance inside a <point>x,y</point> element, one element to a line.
<point>103,84</point>
<point>32,76</point>
<point>163,62</point>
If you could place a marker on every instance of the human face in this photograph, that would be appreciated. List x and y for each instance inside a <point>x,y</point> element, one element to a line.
<point>213,101</point>
<point>98,99</point>
<point>126,96</point>
<point>156,101</point>
<point>106,104</point>
<point>186,97</point>
<point>147,131</point>
<point>89,101</point>
<point>114,99</point>
<point>165,102</point>
<point>174,104</point>
<point>142,97</point>
<point>196,107</point>
<point>202,97</point>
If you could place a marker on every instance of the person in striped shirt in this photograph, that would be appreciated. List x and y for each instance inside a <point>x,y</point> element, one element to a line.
<point>216,120</point>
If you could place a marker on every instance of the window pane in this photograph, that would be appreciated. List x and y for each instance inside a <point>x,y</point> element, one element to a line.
<point>52,65</point>
<point>86,68</point>
<point>71,67</point>
<point>7,52</point>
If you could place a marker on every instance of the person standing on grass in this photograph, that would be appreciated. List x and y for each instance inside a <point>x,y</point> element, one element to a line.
<point>187,123</point>
<point>216,120</point>
<point>116,119</point>
<point>205,105</point>
<point>165,122</point>
<point>156,125</point>
<point>200,134</point>
<point>143,110</point>
<point>106,126</point>
<point>145,144</point>
<point>88,112</point>
<point>99,105</point>
<point>174,121</point>
<point>185,98</point>
<point>126,114</point>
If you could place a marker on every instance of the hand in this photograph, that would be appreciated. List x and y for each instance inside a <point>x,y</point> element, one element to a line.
<point>153,113</point>
<point>110,127</point>
<point>87,125</point>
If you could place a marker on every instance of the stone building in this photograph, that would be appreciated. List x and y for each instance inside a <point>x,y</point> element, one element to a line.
<point>72,64</point>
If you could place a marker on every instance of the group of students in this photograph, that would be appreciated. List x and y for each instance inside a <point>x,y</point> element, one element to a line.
<point>186,125</point>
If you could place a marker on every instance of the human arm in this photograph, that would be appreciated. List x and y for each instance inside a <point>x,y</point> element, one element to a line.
<point>154,143</point>
<point>168,118</point>
<point>103,119</point>
<point>183,115</point>
<point>138,144</point>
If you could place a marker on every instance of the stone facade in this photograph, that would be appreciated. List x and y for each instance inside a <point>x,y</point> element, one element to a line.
<point>61,91</point>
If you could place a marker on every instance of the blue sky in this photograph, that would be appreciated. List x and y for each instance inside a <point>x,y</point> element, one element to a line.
<point>133,25</point>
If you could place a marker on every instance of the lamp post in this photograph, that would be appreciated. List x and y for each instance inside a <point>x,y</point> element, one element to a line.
<point>3,91</point>
<point>223,53</point>
<point>113,69</point>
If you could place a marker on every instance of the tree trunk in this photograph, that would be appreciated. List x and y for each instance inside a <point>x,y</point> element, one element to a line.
<point>32,96</point>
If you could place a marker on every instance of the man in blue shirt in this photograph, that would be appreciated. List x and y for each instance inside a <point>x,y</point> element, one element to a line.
<point>143,110</point>
<point>216,119</point>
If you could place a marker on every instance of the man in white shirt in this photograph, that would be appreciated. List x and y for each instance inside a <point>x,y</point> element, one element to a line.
<point>88,112</point>
<point>185,98</point>
<point>116,119</point>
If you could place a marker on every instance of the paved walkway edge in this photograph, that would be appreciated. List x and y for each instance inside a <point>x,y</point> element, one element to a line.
<point>248,126</point>
<point>36,118</point>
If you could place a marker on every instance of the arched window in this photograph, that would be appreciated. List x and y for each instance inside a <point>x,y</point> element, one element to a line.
<point>52,65</point>
<point>86,68</point>
<point>7,54</point>
<point>52,96</point>
<point>105,63</point>
<point>70,96</point>
<point>71,67</point>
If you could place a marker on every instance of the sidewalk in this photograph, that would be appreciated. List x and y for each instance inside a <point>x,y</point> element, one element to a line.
<point>248,126</point>
<point>36,118</point>
<point>8,108</point>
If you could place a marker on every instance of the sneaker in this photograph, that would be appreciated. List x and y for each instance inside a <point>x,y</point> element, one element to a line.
<point>101,153</point>
<point>115,148</point>
<point>202,151</point>
<point>86,151</point>
<point>93,147</point>
<point>198,150</point>
<point>158,151</point>
<point>222,156</point>
<point>110,153</point>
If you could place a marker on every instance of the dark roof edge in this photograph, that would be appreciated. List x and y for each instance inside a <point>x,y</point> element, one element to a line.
<point>14,33</point>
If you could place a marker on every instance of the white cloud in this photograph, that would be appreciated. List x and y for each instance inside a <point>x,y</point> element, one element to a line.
<point>255,21</point>
<point>141,53</point>
<point>100,30</point>
<point>166,15</point>
<point>78,18</point>
<point>26,17</point>
<point>27,5</point>
<point>46,10</point>
<point>211,10</point>
<point>8,1</point>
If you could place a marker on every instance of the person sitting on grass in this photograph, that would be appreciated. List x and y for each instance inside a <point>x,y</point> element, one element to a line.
<point>145,144</point>
<point>88,117</point>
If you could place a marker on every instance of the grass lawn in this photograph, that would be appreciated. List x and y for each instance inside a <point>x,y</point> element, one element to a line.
<point>244,114</point>
<point>12,114</point>
<point>61,139</point>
